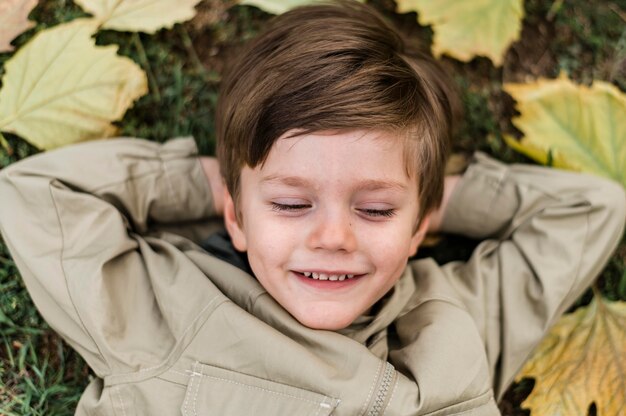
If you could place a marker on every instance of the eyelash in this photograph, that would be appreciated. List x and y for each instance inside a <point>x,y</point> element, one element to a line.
<point>379,212</point>
<point>286,207</point>
<point>388,213</point>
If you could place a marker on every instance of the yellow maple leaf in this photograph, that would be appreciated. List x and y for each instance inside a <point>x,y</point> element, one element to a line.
<point>14,20</point>
<point>464,29</point>
<point>581,361</point>
<point>139,15</point>
<point>572,126</point>
<point>60,88</point>
<point>278,6</point>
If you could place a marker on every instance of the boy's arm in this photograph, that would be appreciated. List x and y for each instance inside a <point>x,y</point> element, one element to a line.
<point>73,220</point>
<point>549,233</point>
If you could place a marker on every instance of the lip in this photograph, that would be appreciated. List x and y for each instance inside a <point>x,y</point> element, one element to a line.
<point>330,285</point>
<point>328,272</point>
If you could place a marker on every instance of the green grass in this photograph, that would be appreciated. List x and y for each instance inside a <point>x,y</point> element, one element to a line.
<point>41,375</point>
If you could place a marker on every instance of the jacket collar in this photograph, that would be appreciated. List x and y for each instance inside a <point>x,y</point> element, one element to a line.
<point>421,327</point>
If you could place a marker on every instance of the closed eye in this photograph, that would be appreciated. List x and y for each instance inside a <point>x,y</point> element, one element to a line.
<point>379,212</point>
<point>289,207</point>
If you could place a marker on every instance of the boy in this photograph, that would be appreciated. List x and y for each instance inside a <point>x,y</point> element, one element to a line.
<point>332,144</point>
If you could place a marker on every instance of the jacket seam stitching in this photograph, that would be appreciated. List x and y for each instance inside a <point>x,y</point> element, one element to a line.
<point>250,386</point>
<point>67,287</point>
<point>101,188</point>
<point>119,397</point>
<point>195,395</point>
<point>163,169</point>
<point>191,380</point>
<point>167,178</point>
<point>369,394</point>
<point>187,374</point>
<point>169,356</point>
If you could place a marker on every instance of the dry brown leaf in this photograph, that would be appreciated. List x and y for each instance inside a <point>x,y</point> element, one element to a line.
<point>581,361</point>
<point>14,20</point>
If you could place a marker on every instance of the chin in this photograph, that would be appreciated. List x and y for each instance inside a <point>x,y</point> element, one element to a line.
<point>330,323</point>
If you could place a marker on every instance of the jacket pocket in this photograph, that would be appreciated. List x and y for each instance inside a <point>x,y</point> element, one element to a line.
<point>216,391</point>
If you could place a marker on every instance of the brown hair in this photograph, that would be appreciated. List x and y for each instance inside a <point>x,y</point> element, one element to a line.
<point>335,66</point>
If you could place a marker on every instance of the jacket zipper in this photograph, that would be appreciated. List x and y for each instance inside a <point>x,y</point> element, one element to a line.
<point>379,403</point>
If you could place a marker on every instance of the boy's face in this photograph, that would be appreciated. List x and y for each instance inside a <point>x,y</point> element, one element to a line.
<point>328,223</point>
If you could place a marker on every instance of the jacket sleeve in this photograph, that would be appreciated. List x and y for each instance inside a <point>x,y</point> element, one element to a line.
<point>74,219</point>
<point>548,233</point>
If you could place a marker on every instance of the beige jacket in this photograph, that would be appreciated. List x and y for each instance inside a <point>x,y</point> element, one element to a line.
<point>103,234</point>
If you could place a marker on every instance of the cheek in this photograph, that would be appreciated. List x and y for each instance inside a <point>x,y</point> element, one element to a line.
<point>270,241</point>
<point>390,249</point>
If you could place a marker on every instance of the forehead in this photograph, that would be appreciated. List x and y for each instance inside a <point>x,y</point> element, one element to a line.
<point>372,145</point>
<point>373,158</point>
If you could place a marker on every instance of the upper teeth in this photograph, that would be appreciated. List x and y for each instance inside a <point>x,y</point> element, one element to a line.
<point>323,276</point>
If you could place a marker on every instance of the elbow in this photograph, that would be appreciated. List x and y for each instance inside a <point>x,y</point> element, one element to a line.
<point>614,199</point>
<point>609,199</point>
<point>620,201</point>
<point>605,220</point>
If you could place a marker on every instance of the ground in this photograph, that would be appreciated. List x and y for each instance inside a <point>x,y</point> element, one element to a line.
<point>41,375</point>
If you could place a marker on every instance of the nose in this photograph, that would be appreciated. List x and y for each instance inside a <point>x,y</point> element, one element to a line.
<point>333,232</point>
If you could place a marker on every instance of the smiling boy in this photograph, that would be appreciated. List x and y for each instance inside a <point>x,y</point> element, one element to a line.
<point>328,239</point>
<point>333,137</point>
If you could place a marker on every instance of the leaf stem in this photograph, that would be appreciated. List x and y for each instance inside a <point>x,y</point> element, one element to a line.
<point>143,57</point>
<point>105,18</point>
<point>5,145</point>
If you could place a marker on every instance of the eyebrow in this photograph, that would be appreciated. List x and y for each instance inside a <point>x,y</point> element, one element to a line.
<point>365,185</point>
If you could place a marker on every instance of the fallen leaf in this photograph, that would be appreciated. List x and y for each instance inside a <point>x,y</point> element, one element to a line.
<point>60,88</point>
<point>278,6</point>
<point>139,15</point>
<point>14,20</point>
<point>581,361</point>
<point>572,126</point>
<point>464,29</point>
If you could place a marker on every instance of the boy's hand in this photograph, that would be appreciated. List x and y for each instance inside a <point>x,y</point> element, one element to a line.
<point>211,169</point>
<point>437,216</point>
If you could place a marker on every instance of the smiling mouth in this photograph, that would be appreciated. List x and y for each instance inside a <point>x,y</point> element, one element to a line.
<point>330,277</point>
